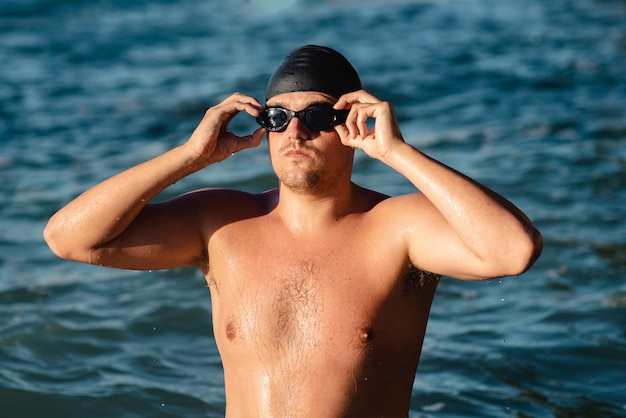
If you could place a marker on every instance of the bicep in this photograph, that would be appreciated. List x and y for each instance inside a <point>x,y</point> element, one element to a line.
<point>432,244</point>
<point>163,235</point>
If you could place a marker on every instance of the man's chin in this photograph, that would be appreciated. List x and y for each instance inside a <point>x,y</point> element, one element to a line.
<point>301,182</point>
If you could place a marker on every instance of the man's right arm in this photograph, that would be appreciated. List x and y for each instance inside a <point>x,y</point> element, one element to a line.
<point>112,223</point>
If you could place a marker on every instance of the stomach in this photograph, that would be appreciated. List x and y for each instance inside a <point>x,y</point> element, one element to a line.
<point>318,389</point>
<point>363,372</point>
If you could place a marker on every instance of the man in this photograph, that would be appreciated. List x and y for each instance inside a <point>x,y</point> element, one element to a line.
<point>320,289</point>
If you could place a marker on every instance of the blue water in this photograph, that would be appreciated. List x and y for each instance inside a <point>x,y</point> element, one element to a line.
<point>528,97</point>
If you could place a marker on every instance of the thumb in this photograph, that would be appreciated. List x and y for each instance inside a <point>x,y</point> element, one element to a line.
<point>345,138</point>
<point>250,141</point>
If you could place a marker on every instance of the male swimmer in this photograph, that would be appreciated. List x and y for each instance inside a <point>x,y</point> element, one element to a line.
<point>320,288</point>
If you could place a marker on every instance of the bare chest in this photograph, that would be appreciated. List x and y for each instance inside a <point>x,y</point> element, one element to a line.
<point>279,297</point>
<point>276,294</point>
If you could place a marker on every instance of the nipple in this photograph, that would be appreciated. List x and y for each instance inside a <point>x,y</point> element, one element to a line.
<point>231,331</point>
<point>365,334</point>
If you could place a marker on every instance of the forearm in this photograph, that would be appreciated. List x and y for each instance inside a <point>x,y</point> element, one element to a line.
<point>107,209</point>
<point>490,226</point>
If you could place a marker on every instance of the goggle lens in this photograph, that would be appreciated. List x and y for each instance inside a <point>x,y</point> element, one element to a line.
<point>315,117</point>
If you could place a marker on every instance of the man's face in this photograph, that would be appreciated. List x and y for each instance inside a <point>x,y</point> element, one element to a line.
<point>305,159</point>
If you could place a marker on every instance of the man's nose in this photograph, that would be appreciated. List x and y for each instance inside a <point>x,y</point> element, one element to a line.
<point>297,129</point>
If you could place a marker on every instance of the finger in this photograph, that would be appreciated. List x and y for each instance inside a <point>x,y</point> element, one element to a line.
<point>344,134</point>
<point>249,104</point>
<point>357,119</point>
<point>359,96</point>
<point>362,116</point>
<point>350,123</point>
<point>345,138</point>
<point>242,98</point>
<point>235,103</point>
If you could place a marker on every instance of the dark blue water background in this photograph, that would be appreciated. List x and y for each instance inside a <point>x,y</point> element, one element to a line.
<point>528,97</point>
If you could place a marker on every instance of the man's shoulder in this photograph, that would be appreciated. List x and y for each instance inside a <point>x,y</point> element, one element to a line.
<point>224,195</point>
<point>398,203</point>
<point>399,213</point>
<point>226,205</point>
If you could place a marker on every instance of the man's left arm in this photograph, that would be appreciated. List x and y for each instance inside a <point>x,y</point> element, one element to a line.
<point>461,228</point>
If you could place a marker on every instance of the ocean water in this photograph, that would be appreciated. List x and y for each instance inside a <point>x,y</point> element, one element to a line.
<point>527,97</point>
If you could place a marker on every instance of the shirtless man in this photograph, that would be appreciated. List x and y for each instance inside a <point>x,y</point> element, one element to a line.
<point>320,289</point>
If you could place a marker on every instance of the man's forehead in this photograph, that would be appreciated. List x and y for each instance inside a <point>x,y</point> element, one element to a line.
<point>300,100</point>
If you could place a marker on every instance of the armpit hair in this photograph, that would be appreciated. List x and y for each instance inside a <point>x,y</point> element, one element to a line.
<point>416,278</point>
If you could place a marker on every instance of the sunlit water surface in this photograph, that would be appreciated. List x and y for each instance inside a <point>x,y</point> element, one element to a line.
<point>528,97</point>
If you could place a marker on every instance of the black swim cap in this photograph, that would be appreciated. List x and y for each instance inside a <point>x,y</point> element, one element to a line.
<point>314,68</point>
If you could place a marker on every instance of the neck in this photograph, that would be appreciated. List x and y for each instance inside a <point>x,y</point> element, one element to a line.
<point>310,211</point>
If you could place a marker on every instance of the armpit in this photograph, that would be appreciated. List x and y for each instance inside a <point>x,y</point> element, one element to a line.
<point>416,279</point>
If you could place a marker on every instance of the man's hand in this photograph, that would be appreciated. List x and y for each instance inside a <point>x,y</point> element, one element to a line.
<point>212,141</point>
<point>377,142</point>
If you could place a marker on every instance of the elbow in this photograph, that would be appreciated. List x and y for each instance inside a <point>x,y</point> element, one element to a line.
<point>515,258</point>
<point>60,242</point>
<point>511,258</point>
<point>52,237</point>
<point>526,253</point>
<point>537,240</point>
<point>534,247</point>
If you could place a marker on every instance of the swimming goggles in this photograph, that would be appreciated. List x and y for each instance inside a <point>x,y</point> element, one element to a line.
<point>318,117</point>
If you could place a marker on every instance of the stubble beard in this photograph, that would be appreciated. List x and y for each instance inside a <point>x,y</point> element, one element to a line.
<point>302,179</point>
<point>313,179</point>
<point>301,182</point>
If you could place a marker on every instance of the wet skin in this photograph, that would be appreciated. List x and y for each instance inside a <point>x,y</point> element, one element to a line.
<point>329,325</point>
